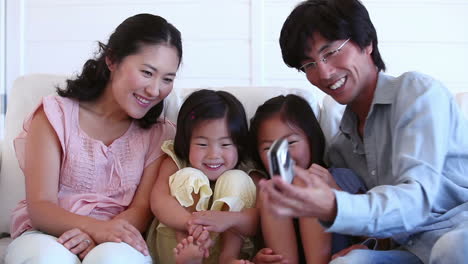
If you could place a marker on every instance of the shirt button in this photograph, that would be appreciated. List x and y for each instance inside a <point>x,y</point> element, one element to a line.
<point>373,172</point>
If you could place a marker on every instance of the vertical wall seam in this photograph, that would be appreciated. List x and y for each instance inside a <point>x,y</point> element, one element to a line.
<point>257,37</point>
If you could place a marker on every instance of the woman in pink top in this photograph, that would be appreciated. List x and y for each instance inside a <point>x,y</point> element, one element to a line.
<point>91,155</point>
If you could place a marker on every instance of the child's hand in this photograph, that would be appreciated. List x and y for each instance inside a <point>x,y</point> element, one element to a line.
<point>194,230</point>
<point>324,174</point>
<point>267,255</point>
<point>201,238</point>
<point>77,241</point>
<point>212,221</point>
<point>205,242</point>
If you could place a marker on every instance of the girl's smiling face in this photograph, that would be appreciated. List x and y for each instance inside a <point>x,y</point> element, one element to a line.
<point>212,149</point>
<point>274,128</point>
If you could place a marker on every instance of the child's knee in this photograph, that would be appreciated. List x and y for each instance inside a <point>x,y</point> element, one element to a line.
<point>235,189</point>
<point>233,176</point>
<point>235,182</point>
<point>191,188</point>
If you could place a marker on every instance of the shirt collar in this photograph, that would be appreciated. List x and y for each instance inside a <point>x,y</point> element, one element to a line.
<point>385,93</point>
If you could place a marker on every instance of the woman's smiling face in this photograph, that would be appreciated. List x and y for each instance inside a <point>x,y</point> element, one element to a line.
<point>144,79</point>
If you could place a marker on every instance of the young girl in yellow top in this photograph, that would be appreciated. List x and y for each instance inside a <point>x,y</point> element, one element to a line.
<point>201,173</point>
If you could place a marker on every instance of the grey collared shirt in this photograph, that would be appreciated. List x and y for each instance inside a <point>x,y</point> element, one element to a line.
<point>413,158</point>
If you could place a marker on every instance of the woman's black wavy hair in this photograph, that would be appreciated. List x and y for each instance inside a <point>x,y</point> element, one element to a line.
<point>127,39</point>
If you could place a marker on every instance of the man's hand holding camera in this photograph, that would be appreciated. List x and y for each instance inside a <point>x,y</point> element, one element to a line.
<point>315,198</point>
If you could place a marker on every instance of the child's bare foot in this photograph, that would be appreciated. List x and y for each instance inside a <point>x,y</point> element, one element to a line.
<point>186,252</point>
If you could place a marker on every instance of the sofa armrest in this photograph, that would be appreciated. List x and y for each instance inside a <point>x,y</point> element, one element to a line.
<point>23,97</point>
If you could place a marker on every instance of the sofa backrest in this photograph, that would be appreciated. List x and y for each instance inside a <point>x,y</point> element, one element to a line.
<point>251,97</point>
<point>28,90</point>
<point>330,117</point>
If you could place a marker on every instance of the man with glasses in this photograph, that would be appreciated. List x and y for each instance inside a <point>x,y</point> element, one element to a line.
<point>404,136</point>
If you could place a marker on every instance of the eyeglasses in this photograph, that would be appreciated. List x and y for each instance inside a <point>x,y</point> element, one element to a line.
<point>310,66</point>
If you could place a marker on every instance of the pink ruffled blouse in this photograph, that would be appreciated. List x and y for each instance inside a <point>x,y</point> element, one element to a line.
<point>95,180</point>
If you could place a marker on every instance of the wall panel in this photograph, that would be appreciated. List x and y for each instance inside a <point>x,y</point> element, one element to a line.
<point>232,42</point>
<point>61,35</point>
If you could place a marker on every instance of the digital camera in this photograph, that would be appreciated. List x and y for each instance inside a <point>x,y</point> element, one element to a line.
<point>280,161</point>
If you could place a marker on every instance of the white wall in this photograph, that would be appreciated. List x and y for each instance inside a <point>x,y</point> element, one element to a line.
<point>14,41</point>
<point>233,42</point>
<point>2,47</point>
<point>2,63</point>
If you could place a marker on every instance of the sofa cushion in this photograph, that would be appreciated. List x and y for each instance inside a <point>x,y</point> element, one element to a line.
<point>28,90</point>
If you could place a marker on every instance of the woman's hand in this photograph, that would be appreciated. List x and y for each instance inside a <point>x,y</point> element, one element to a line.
<point>267,255</point>
<point>77,241</point>
<point>118,230</point>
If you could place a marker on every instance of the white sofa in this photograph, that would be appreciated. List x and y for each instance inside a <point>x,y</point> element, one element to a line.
<point>28,89</point>
<point>25,95</point>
